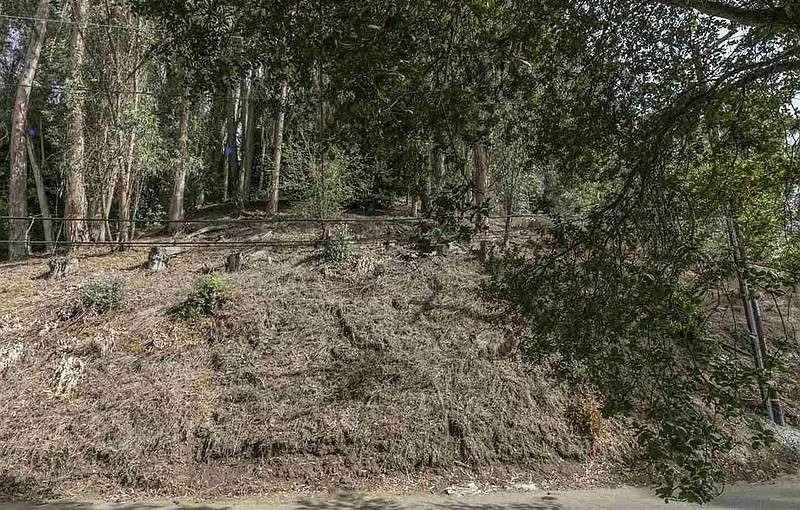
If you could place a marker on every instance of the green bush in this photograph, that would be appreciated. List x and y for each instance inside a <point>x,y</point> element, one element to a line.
<point>209,294</point>
<point>452,213</point>
<point>335,247</point>
<point>102,297</point>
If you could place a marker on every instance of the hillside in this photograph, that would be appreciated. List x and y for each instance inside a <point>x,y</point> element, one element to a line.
<point>386,371</point>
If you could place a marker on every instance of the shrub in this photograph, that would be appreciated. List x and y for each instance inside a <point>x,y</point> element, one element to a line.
<point>209,294</point>
<point>322,189</point>
<point>452,213</point>
<point>102,297</point>
<point>335,247</point>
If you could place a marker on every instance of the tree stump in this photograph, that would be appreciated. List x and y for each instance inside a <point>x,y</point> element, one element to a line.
<point>159,257</point>
<point>61,267</point>
<point>235,262</point>
<point>240,260</point>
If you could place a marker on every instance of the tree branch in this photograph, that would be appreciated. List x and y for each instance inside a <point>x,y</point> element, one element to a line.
<point>776,16</point>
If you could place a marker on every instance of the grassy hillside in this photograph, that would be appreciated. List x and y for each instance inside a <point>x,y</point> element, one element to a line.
<point>387,371</point>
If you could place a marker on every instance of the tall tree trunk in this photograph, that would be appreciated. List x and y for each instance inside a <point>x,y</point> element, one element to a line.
<point>220,159</point>
<point>262,171</point>
<point>231,143</point>
<point>75,204</point>
<point>179,174</point>
<point>216,147</point>
<point>439,170</point>
<point>277,150</point>
<point>44,208</point>
<point>480,167</point>
<point>248,124</point>
<point>125,184</point>
<point>508,200</point>
<point>18,178</point>
<point>126,176</point>
<point>137,195</point>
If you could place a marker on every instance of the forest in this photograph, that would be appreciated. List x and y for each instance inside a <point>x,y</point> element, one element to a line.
<point>657,140</point>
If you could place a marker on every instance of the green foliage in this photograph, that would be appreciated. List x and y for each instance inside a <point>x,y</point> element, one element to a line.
<point>209,294</point>
<point>636,330</point>
<point>451,212</point>
<point>336,247</point>
<point>102,297</point>
<point>324,185</point>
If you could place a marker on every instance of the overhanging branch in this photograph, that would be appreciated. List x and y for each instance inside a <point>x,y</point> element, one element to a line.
<point>777,16</point>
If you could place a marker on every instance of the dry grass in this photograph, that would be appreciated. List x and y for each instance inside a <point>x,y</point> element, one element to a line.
<point>383,371</point>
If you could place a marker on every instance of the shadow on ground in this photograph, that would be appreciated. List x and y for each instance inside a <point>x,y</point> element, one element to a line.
<point>359,502</point>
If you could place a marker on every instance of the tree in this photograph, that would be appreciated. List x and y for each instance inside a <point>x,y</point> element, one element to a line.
<point>277,149</point>
<point>75,208</point>
<point>180,167</point>
<point>17,185</point>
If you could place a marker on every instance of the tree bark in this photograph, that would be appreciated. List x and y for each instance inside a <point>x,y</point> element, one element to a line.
<point>262,173</point>
<point>126,177</point>
<point>18,177</point>
<point>480,166</point>
<point>179,174</point>
<point>277,150</point>
<point>216,147</point>
<point>44,208</point>
<point>125,185</point>
<point>231,143</point>
<point>439,170</point>
<point>248,124</point>
<point>75,202</point>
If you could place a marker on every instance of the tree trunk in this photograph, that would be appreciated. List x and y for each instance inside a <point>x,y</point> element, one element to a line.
<point>277,150</point>
<point>480,166</point>
<point>216,148</point>
<point>137,195</point>
<point>248,124</point>
<point>18,177</point>
<point>44,208</point>
<point>129,164</point>
<point>439,170</point>
<point>75,202</point>
<point>262,174</point>
<point>231,143</point>
<point>509,207</point>
<point>179,175</point>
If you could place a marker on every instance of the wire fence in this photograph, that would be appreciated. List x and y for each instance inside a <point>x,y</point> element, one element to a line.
<point>178,241</point>
<point>272,219</point>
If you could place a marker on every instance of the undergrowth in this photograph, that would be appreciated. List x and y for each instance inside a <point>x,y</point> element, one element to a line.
<point>102,297</point>
<point>209,294</point>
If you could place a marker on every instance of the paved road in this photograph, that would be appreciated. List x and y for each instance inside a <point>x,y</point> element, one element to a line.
<point>782,495</point>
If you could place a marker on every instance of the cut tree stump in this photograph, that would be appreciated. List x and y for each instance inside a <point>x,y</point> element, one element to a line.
<point>235,262</point>
<point>240,260</point>
<point>61,267</point>
<point>160,256</point>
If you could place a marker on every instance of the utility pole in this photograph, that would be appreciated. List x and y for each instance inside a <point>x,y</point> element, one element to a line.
<point>769,394</point>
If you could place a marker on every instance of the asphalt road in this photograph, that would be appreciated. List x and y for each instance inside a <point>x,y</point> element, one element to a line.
<point>781,495</point>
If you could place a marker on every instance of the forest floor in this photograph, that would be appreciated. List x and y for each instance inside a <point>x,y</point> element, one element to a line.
<point>389,372</point>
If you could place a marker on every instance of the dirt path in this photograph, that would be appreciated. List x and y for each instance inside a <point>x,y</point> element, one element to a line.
<point>780,495</point>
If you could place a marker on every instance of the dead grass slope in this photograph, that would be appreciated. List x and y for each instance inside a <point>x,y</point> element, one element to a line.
<point>312,375</point>
<point>384,371</point>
